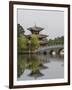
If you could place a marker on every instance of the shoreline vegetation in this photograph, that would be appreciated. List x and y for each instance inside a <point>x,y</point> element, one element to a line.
<point>29,45</point>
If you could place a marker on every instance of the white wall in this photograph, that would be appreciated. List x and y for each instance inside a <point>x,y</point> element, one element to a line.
<point>4,45</point>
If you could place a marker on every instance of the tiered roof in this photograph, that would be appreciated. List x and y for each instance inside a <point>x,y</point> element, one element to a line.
<point>35,28</point>
<point>42,37</point>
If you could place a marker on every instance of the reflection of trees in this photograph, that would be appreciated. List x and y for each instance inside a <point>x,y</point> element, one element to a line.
<point>33,62</point>
<point>43,58</point>
<point>36,62</point>
<point>59,57</point>
<point>35,65</point>
<point>21,64</point>
<point>36,74</point>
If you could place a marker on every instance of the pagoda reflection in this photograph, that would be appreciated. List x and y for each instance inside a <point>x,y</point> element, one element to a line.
<point>32,62</point>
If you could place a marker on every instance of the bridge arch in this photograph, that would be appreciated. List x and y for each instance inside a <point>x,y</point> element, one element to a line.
<point>60,50</point>
<point>45,52</point>
<point>52,52</point>
<point>50,49</point>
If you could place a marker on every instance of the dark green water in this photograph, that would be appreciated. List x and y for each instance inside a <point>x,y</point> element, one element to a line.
<point>38,67</point>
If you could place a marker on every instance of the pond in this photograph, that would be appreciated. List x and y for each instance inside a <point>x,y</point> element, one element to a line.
<point>39,66</point>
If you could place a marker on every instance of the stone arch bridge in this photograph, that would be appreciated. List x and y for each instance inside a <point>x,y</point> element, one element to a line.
<point>49,49</point>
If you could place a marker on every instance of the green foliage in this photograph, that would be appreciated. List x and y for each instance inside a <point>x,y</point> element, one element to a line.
<point>21,64</point>
<point>22,42</point>
<point>34,42</point>
<point>56,41</point>
<point>34,63</point>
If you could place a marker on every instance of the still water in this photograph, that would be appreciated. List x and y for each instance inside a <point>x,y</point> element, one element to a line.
<point>38,67</point>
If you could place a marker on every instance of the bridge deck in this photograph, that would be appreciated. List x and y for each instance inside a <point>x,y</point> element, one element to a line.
<point>50,47</point>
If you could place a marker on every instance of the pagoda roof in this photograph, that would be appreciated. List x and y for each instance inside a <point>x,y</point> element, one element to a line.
<point>28,36</point>
<point>45,41</point>
<point>42,36</point>
<point>35,28</point>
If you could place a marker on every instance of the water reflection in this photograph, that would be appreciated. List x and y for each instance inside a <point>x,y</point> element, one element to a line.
<point>34,66</point>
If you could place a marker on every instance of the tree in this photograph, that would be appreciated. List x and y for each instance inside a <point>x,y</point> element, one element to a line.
<point>34,42</point>
<point>20,30</point>
<point>22,42</point>
<point>56,41</point>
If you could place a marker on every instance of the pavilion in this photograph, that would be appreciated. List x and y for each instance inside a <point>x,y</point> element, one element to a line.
<point>36,30</point>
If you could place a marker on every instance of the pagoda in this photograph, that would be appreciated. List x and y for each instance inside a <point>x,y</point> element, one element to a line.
<point>36,30</point>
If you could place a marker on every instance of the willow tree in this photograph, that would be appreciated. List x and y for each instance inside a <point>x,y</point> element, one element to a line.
<point>34,42</point>
<point>21,39</point>
<point>22,42</point>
